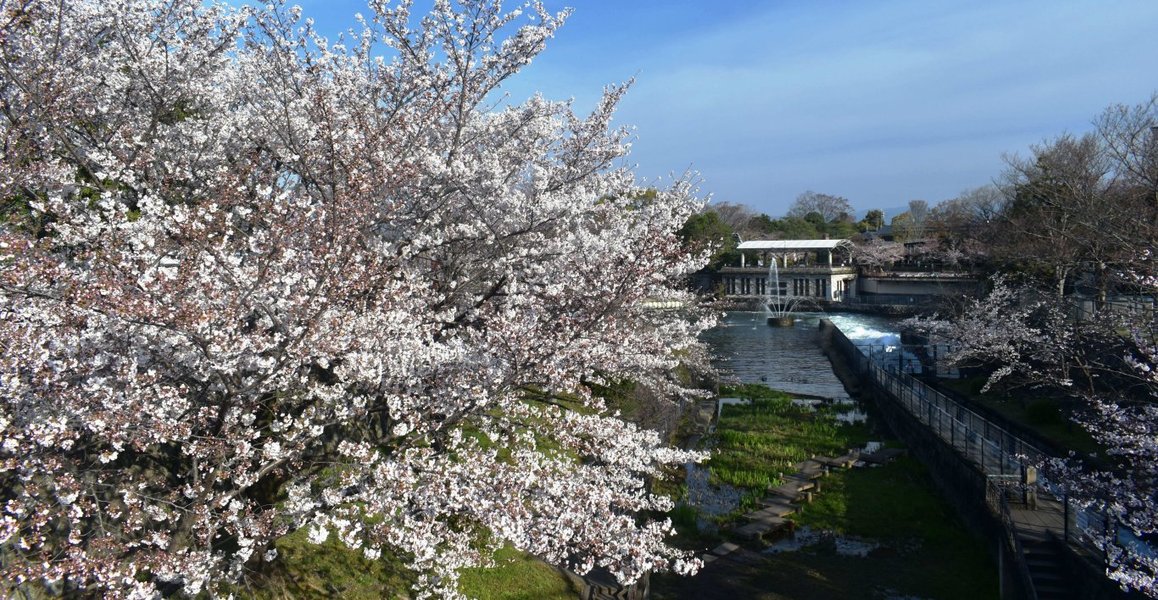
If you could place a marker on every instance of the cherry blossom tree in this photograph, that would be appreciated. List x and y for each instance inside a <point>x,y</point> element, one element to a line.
<point>255,280</point>
<point>1020,332</point>
<point>1122,415</point>
<point>877,254</point>
<point>1028,334</point>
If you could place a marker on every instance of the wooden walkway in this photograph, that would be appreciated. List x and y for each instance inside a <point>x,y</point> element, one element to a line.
<point>785,499</point>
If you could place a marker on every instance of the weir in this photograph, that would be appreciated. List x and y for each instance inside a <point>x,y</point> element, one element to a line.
<point>986,472</point>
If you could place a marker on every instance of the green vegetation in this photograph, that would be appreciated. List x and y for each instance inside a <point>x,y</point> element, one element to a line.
<point>895,505</point>
<point>1048,417</point>
<point>331,570</point>
<point>890,502</point>
<point>924,550</point>
<point>516,576</point>
<point>758,443</point>
<point>328,570</point>
<point>708,230</point>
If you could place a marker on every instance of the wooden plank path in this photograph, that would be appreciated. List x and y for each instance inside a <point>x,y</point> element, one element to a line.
<point>786,498</point>
<point>792,489</point>
<point>844,462</point>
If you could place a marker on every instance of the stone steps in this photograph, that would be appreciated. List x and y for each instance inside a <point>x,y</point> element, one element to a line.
<point>784,499</point>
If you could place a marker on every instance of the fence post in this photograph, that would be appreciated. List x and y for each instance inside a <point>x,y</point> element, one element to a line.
<point>1001,454</point>
<point>1066,516</point>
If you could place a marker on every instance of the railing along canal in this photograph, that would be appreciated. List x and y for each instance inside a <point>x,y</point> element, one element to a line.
<point>996,492</point>
<point>998,452</point>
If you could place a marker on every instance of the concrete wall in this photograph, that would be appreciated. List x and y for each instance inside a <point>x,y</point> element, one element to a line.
<point>917,287</point>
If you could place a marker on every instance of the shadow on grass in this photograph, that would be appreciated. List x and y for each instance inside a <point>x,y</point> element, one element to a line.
<point>925,551</point>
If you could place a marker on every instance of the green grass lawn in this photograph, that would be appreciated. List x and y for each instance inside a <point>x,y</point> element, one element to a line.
<point>516,576</point>
<point>330,570</point>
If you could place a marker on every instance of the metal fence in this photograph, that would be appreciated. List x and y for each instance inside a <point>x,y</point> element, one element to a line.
<point>998,452</point>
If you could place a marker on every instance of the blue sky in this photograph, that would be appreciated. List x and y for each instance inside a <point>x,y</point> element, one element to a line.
<point>880,102</point>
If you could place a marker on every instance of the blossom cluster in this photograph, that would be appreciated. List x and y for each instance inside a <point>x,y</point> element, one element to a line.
<point>1025,333</point>
<point>256,280</point>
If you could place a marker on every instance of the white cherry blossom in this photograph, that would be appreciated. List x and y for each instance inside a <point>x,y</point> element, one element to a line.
<point>255,280</point>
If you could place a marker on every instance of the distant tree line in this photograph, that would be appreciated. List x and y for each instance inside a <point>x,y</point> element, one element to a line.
<point>1076,212</point>
<point>1069,233</point>
<point>812,216</point>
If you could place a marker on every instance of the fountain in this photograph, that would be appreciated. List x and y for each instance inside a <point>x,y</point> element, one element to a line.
<point>778,307</point>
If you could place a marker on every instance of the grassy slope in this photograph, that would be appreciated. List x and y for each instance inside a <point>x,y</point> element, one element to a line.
<point>516,576</point>
<point>330,570</point>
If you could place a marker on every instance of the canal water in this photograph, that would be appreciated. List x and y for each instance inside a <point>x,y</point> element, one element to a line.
<point>746,349</point>
<point>817,564</point>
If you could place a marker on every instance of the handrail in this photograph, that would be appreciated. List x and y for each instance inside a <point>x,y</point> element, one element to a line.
<point>1014,543</point>
<point>968,431</point>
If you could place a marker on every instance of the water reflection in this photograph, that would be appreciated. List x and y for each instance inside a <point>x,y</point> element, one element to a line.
<point>805,537</point>
<point>790,358</point>
<point>784,358</point>
<point>709,500</point>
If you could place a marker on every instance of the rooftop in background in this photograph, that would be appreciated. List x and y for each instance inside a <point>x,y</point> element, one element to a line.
<point>792,245</point>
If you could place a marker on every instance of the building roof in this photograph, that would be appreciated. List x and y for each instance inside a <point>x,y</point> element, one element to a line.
<point>792,245</point>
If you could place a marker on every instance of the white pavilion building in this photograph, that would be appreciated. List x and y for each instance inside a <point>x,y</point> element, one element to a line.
<point>820,270</point>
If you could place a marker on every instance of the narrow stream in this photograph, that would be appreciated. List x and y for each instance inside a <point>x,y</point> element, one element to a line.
<point>747,350</point>
<point>815,564</point>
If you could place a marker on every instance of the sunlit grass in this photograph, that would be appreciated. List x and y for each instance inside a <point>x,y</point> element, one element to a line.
<point>516,576</point>
<point>328,570</point>
<point>757,444</point>
<point>331,570</point>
